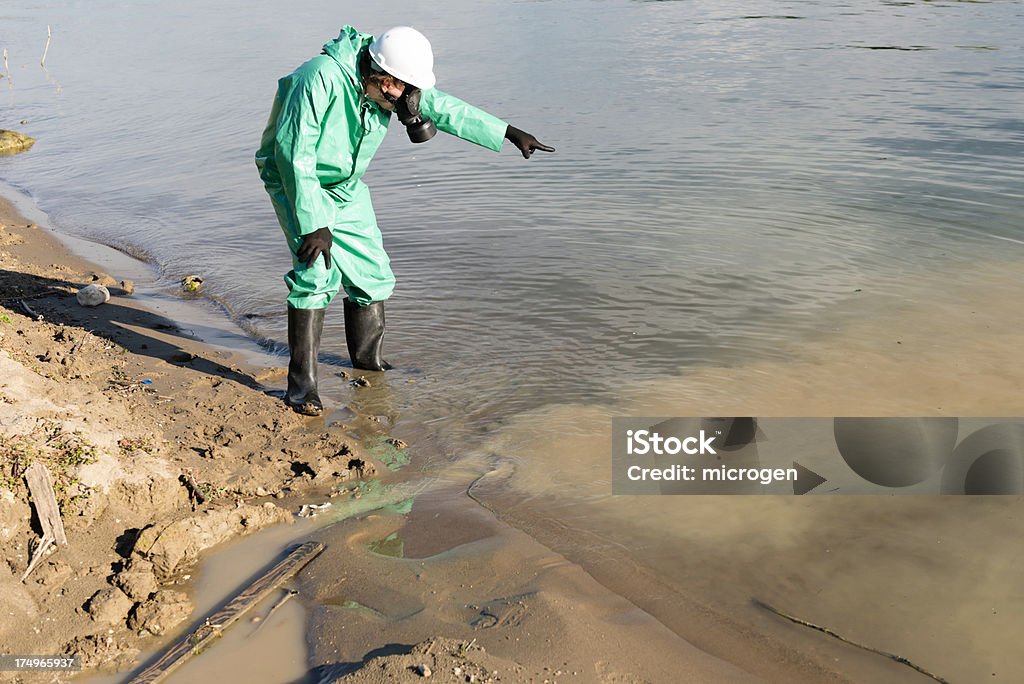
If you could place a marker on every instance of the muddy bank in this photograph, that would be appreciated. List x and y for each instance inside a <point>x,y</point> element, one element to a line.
<point>163,448</point>
<point>159,448</point>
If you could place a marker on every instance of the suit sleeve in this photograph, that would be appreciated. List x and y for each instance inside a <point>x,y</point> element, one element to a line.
<point>452,115</point>
<point>304,103</point>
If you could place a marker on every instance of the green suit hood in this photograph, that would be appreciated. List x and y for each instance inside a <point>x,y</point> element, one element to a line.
<point>345,50</point>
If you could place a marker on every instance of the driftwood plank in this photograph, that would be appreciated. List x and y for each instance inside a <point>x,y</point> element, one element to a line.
<point>212,627</point>
<point>40,485</point>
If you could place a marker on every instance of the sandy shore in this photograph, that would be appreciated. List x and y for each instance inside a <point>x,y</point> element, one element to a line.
<point>122,405</point>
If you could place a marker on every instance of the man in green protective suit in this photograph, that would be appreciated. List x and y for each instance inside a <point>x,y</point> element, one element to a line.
<point>327,121</point>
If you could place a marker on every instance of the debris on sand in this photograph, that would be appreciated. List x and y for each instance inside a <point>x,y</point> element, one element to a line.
<point>311,510</point>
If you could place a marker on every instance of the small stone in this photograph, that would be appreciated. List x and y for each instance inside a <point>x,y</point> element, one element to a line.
<point>422,670</point>
<point>260,491</point>
<point>361,382</point>
<point>397,443</point>
<point>93,295</point>
<point>128,287</point>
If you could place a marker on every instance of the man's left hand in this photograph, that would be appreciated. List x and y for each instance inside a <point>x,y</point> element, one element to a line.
<point>525,142</point>
<point>313,245</point>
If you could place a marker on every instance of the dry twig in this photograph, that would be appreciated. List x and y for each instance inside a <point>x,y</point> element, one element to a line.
<point>32,314</point>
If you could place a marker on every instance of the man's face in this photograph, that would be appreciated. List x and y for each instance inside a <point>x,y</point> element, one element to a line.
<point>375,89</point>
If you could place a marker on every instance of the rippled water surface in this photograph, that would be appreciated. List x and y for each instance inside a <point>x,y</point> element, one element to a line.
<point>725,171</point>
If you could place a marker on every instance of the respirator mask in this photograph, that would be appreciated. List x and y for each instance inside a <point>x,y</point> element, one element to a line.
<point>407,108</point>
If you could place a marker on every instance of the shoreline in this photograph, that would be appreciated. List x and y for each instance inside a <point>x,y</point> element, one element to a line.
<point>120,403</point>
<point>147,402</point>
<point>462,586</point>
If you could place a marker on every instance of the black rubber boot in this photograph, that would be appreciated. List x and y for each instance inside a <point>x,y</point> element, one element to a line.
<point>304,328</point>
<point>364,332</point>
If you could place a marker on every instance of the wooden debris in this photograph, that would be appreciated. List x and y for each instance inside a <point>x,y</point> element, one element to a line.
<point>40,487</point>
<point>28,310</point>
<point>215,624</point>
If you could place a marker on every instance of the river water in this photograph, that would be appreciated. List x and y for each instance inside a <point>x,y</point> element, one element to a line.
<point>730,178</point>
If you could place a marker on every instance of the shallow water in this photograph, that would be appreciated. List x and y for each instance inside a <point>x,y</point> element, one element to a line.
<point>723,174</point>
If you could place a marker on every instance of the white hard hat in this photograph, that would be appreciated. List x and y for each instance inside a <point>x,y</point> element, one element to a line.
<point>405,53</point>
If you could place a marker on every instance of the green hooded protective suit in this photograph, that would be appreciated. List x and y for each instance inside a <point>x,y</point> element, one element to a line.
<point>320,138</point>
